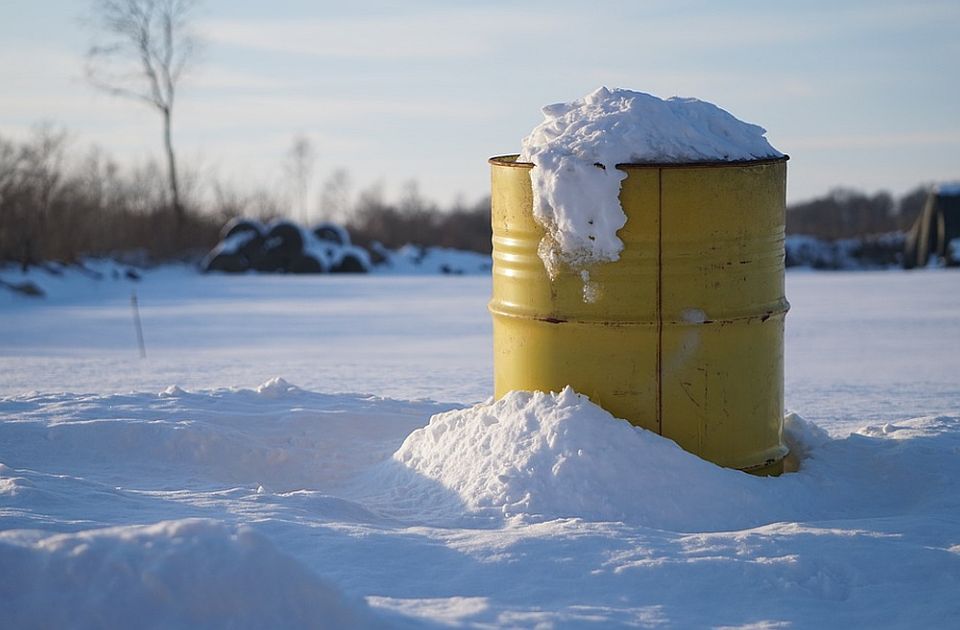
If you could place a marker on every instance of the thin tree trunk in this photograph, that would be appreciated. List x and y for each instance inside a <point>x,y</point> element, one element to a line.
<point>172,171</point>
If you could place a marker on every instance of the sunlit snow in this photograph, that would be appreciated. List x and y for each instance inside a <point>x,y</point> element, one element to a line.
<point>321,452</point>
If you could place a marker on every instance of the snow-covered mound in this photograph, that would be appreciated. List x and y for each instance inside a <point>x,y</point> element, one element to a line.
<point>550,455</point>
<point>576,184</point>
<point>286,247</point>
<point>876,251</point>
<point>541,456</point>
<point>190,573</point>
<point>951,189</point>
<point>56,281</point>
<point>414,259</point>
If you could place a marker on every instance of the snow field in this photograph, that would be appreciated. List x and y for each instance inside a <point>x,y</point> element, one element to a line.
<point>184,573</point>
<point>200,505</point>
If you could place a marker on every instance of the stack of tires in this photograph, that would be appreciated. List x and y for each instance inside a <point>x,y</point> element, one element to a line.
<point>284,247</point>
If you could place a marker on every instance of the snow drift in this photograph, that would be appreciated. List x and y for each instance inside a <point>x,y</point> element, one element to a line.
<point>551,455</point>
<point>542,456</point>
<point>174,574</point>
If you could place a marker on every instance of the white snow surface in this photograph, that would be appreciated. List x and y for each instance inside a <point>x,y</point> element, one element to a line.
<point>189,573</point>
<point>240,499</point>
<point>414,259</point>
<point>576,149</point>
<point>953,249</point>
<point>951,189</point>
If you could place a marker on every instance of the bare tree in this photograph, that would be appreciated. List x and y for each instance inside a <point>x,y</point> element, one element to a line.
<point>335,196</point>
<point>299,167</point>
<point>41,170</point>
<point>146,46</point>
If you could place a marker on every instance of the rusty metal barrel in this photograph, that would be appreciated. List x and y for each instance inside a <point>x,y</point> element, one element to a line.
<point>683,335</point>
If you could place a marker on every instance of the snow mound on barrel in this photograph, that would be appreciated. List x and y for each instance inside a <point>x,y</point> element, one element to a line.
<point>175,574</point>
<point>552,455</point>
<point>578,203</point>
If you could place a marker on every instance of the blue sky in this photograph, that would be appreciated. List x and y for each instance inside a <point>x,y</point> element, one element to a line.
<point>861,94</point>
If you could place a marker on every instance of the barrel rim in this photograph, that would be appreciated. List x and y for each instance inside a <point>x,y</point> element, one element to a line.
<point>510,160</point>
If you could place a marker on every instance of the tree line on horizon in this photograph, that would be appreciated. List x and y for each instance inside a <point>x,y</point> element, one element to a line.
<point>61,204</point>
<point>58,203</point>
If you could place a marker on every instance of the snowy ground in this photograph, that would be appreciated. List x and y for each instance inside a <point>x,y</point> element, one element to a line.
<point>235,498</point>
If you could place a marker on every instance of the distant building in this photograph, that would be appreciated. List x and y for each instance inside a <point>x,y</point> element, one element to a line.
<point>936,232</point>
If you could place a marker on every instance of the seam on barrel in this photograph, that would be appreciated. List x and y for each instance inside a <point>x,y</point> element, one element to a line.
<point>621,323</point>
<point>660,301</point>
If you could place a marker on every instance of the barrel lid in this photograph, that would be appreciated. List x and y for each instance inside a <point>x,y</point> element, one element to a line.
<point>511,160</point>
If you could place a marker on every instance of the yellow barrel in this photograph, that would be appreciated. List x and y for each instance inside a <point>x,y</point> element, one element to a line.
<point>684,334</point>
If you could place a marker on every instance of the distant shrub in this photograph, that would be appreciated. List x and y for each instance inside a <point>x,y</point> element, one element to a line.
<point>52,208</point>
<point>845,213</point>
<point>415,220</point>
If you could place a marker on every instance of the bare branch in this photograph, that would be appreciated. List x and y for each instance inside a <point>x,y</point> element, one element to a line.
<point>145,47</point>
<point>151,36</point>
<point>122,92</point>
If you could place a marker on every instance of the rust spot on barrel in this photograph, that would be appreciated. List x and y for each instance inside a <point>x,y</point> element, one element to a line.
<point>552,320</point>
